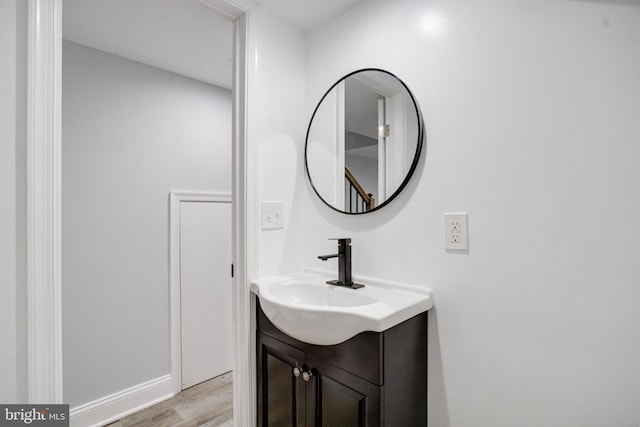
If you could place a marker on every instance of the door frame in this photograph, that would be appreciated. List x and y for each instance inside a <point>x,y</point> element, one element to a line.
<point>44,217</point>
<point>340,146</point>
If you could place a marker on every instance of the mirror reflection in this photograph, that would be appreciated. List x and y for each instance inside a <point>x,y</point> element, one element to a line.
<point>363,141</point>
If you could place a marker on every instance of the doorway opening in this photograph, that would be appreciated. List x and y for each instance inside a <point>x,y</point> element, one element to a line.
<point>44,177</point>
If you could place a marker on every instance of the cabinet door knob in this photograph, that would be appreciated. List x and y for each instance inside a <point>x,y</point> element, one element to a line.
<point>307,376</point>
<point>296,371</point>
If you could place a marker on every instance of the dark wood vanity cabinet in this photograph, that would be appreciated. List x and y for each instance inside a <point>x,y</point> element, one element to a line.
<point>373,379</point>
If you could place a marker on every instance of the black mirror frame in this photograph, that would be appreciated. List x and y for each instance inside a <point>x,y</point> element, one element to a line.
<point>416,157</point>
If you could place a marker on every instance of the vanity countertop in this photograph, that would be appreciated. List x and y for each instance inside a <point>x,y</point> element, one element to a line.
<point>304,306</point>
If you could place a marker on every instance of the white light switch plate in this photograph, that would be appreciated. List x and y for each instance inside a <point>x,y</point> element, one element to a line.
<point>456,231</point>
<point>271,214</point>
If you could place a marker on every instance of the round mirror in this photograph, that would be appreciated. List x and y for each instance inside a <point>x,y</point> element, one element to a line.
<point>364,141</point>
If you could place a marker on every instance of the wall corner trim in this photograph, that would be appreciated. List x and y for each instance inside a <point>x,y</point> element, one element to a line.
<point>120,404</point>
<point>44,282</point>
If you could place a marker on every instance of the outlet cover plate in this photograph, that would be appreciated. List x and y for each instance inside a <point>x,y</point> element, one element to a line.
<point>456,231</point>
<point>271,215</point>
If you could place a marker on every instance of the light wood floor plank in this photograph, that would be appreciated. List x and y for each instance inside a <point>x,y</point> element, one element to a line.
<point>209,404</point>
<point>153,418</point>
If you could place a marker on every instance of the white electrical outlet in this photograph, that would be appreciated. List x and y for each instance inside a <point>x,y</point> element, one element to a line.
<point>456,233</point>
<point>271,214</point>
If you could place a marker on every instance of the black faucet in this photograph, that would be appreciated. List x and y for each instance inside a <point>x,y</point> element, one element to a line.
<point>344,264</point>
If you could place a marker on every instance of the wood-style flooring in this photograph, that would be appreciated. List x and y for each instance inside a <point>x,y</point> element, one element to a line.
<point>209,404</point>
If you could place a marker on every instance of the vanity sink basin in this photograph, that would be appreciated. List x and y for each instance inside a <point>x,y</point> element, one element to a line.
<point>308,309</point>
<point>318,294</point>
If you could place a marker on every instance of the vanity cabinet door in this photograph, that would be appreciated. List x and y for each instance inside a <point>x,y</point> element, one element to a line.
<point>336,397</point>
<point>281,401</point>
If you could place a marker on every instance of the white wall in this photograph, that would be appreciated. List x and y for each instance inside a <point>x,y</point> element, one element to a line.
<point>8,45</point>
<point>131,133</point>
<point>277,132</point>
<point>13,350</point>
<point>531,113</point>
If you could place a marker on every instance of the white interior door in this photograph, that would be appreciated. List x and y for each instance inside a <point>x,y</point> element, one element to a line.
<point>396,117</point>
<point>382,153</point>
<point>205,290</point>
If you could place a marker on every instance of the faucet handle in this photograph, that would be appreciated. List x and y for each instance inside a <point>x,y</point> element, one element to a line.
<point>342,240</point>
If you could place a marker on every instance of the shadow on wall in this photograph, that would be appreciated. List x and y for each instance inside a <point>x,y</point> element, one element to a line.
<point>621,2</point>
<point>437,407</point>
<point>279,156</point>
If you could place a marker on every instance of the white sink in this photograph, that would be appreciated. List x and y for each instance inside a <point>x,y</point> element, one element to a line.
<point>320,294</point>
<point>305,307</point>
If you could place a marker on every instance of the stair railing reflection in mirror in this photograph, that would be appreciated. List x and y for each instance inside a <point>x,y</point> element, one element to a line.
<point>357,200</point>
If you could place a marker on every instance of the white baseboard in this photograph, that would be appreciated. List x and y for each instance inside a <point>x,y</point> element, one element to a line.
<point>113,407</point>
